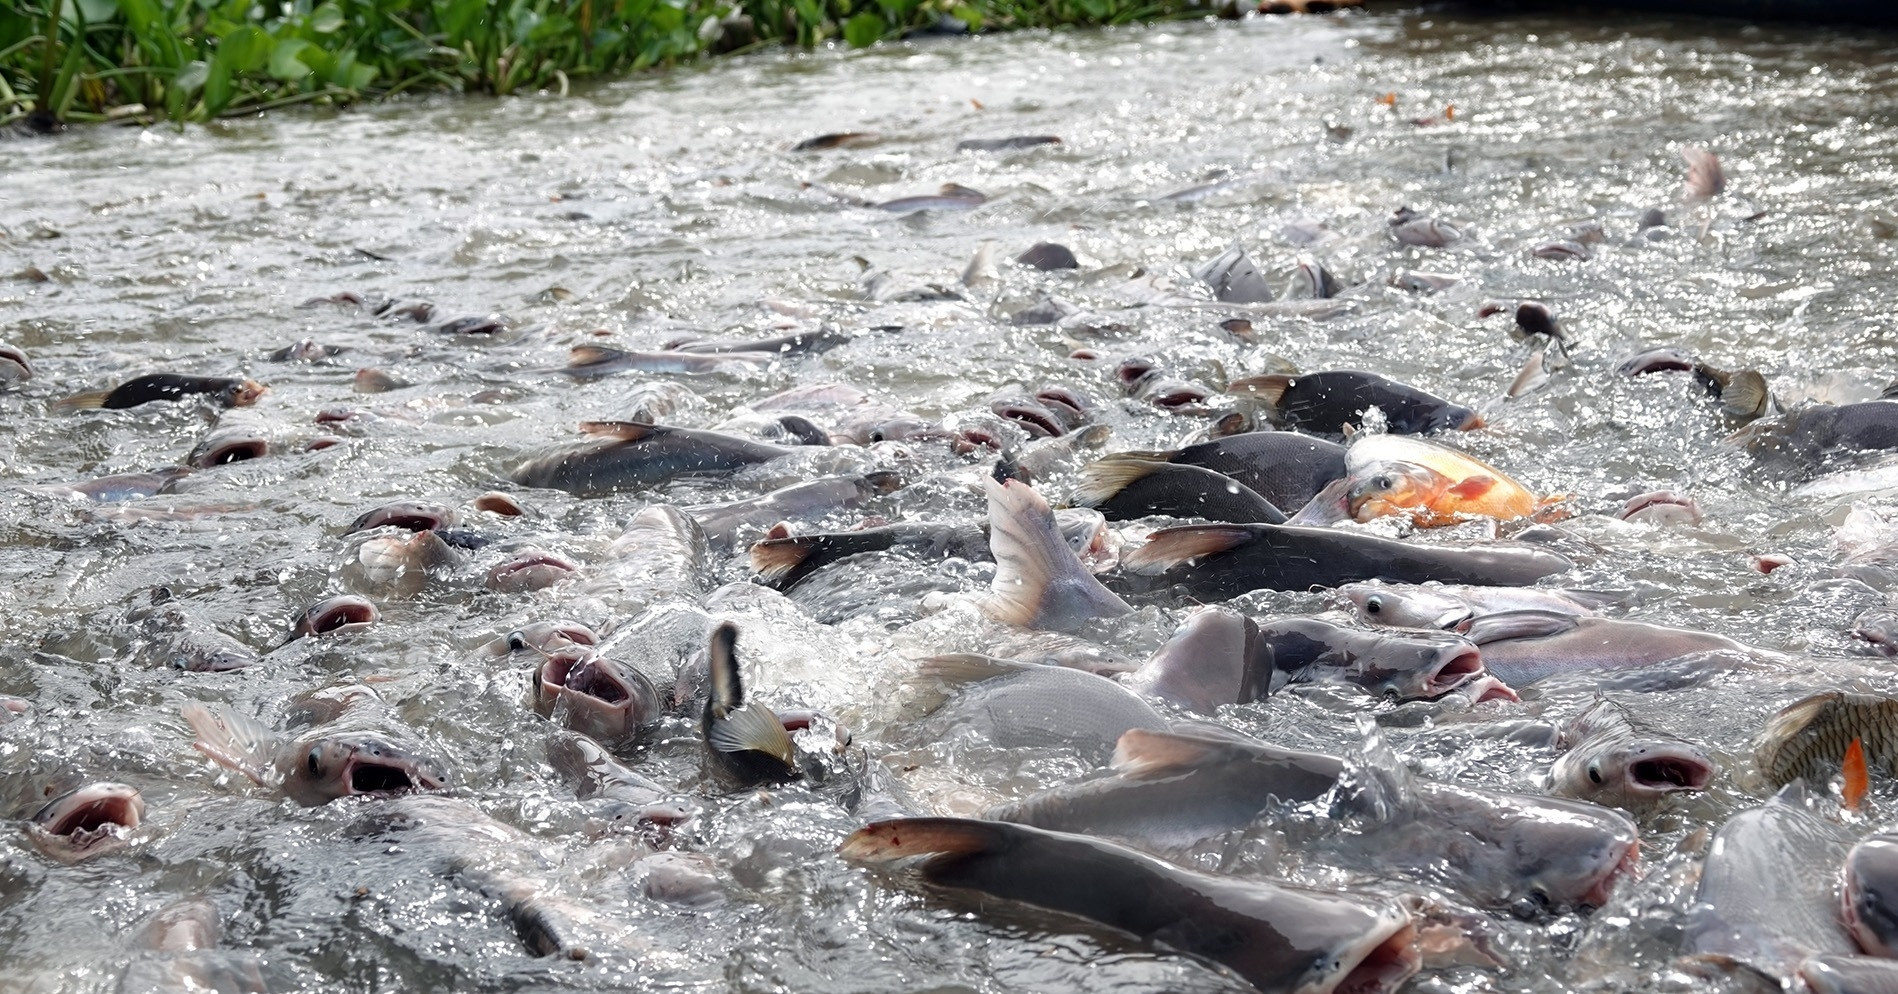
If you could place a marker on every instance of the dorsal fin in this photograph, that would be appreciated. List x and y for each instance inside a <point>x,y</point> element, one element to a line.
<point>625,431</point>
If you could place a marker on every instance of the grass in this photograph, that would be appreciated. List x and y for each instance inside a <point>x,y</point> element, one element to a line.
<point>192,60</point>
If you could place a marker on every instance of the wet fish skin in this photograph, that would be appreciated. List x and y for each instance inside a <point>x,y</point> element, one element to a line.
<point>745,742</point>
<point>1869,886</point>
<point>15,367</point>
<point>1330,401</point>
<point>628,455</point>
<point>87,822</point>
<point>186,641</point>
<point>130,486</point>
<point>1607,758</point>
<point>1129,486</point>
<point>1212,660</point>
<point>1449,607</point>
<point>168,386</point>
<point>409,515</point>
<point>1767,895</point>
<point>1015,705</point>
<point>222,446</point>
<point>529,570</point>
<point>834,140</point>
<point>1039,582</point>
<point>1405,666</point>
<point>1048,256</point>
<point>1225,560</point>
<point>795,343</point>
<point>178,954</point>
<point>594,695</point>
<point>1234,278</point>
<point>587,361</point>
<point>782,561</point>
<point>952,197</point>
<point>722,523</point>
<point>1286,468</point>
<point>1808,738</point>
<point>1809,434</point>
<point>1849,975</point>
<point>1311,279</point>
<point>319,766</point>
<point>1275,937</point>
<point>1522,647</point>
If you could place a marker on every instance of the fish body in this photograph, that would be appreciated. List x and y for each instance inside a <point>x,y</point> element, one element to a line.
<point>1432,484</point>
<point>1608,759</point>
<point>1808,738</point>
<point>952,197</point>
<point>1333,401</point>
<point>15,367</point>
<point>335,759</point>
<point>1234,278</point>
<point>1285,468</point>
<point>662,554</point>
<point>782,561</point>
<point>129,486</point>
<point>1426,232</point>
<point>723,523</point>
<point>1869,886</point>
<point>1223,561</point>
<point>1767,895</point>
<point>1048,256</point>
<point>225,391</point>
<point>1128,486</point>
<point>1522,647</point>
<point>1449,607</point>
<point>1275,937</point>
<point>748,349</point>
<point>627,455</point>
<point>228,444</point>
<point>180,638</point>
<point>587,361</point>
<point>1014,705</point>
<point>1006,144</point>
<point>1808,434</point>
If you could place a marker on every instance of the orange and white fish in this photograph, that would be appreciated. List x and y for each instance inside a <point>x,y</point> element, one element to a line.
<point>1433,485</point>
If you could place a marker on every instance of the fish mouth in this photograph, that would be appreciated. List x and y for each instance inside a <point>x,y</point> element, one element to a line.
<point>1040,422</point>
<point>383,776</point>
<point>1063,402</point>
<point>14,357</point>
<point>1597,895</point>
<point>234,450</point>
<point>599,699</point>
<point>247,393</point>
<point>1661,507</point>
<point>1385,963</point>
<point>1665,772</point>
<point>408,516</point>
<point>89,821</point>
<point>338,614</point>
<point>1470,422</point>
<point>1463,666</point>
<point>1178,396</point>
<point>530,571</point>
<point>967,440</point>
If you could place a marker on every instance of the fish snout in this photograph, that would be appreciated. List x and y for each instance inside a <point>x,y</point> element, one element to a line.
<point>87,822</point>
<point>344,613</point>
<point>1655,768</point>
<point>1454,666</point>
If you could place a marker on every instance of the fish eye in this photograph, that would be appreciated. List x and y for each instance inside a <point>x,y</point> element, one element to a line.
<point>315,761</point>
<point>1373,605</point>
<point>516,642</point>
<point>1594,771</point>
<point>1382,482</point>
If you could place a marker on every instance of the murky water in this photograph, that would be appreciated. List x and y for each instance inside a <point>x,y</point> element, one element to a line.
<point>634,212</point>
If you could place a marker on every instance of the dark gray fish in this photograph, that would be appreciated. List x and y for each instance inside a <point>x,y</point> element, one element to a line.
<point>724,523</point>
<point>490,324</point>
<point>952,197</point>
<point>1879,627</point>
<point>1039,582</point>
<point>89,821</point>
<point>349,757</point>
<point>594,695</point>
<point>1234,279</point>
<point>1808,738</point>
<point>1048,256</point>
<point>1450,608</point>
<point>177,637</point>
<point>836,139</point>
<point>1274,937</point>
<point>745,742</point>
<point>167,386</point>
<point>1835,974</point>
<point>1869,884</point>
<point>1609,759</point>
<point>1225,560</point>
<point>586,361</point>
<point>1768,895</point>
<point>1128,486</point>
<point>782,561</point>
<point>1005,144</point>
<point>796,343</point>
<point>1808,434</point>
<point>1015,705</point>
<point>1333,401</point>
<point>1284,467</point>
<point>1311,279</point>
<point>1522,647</point>
<point>1144,381</point>
<point>625,455</point>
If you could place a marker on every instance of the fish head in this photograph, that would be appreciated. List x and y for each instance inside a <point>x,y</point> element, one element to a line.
<point>543,637</point>
<point>224,447</point>
<point>1871,894</point>
<point>409,515</point>
<point>594,695</point>
<point>344,613</point>
<point>1429,419</point>
<point>1631,771</point>
<point>1405,666</point>
<point>531,569</point>
<point>1541,856</point>
<point>1395,488</point>
<point>1407,607</point>
<point>90,821</point>
<point>244,393</point>
<point>324,767</point>
<point>14,365</point>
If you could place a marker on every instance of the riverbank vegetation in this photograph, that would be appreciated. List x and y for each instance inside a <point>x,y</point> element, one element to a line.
<point>191,60</point>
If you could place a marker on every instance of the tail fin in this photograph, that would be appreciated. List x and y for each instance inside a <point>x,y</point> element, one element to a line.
<point>233,740</point>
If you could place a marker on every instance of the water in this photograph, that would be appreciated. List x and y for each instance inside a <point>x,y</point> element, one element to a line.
<point>670,204</point>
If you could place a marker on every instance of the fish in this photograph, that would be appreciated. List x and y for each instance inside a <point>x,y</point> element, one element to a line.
<point>1808,738</point>
<point>595,696</point>
<point>1005,144</point>
<point>15,367</point>
<point>13,708</point>
<point>541,637</point>
<point>528,570</point>
<point>1220,657</point>
<point>748,349</point>
<point>129,486</point>
<point>341,614</point>
<point>1742,395</point>
<point>333,760</point>
<point>408,515</point>
<point>1810,433</point>
<point>1534,319</point>
<point>1705,179</point>
<point>375,381</point>
<point>1129,486</point>
<point>1170,790</point>
<point>1009,704</point>
<point>177,953</point>
<point>306,350</point>
<point>837,139</point>
<point>227,392</point>
<point>1274,937</point>
<point>981,271</point>
<point>745,742</point>
<point>1141,379</point>
<point>1286,468</point>
<point>1431,485</point>
<point>723,523</point>
<point>1561,248</point>
<point>1332,401</point>
<point>1225,560</point>
<point>1869,890</point>
<point>952,197</point>
<point>180,638</point>
<point>1312,280</point>
<point>1836,974</point>
<point>1048,256</point>
<point>587,361</point>
<point>1409,228</point>
<point>781,561</point>
<point>1533,376</point>
<point>1451,607</point>
<point>622,798</point>
<point>1609,759</point>
<point>1233,278</point>
<point>1661,507</point>
<point>1767,895</point>
<point>486,324</point>
<point>1879,626</point>
<point>625,455</point>
<point>663,553</point>
<point>228,444</point>
<point>1415,281</point>
<point>404,564</point>
<point>1039,581</point>
<point>87,822</point>
<point>1523,647</point>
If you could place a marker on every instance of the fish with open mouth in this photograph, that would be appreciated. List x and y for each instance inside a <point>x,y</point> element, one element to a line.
<point>1609,759</point>
<point>1276,937</point>
<point>529,569</point>
<point>346,753</point>
<point>594,695</point>
<point>341,614</point>
<point>15,367</point>
<point>86,822</point>
<point>1452,606</point>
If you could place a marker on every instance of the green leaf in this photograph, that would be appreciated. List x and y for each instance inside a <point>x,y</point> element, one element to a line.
<point>326,19</point>
<point>190,79</point>
<point>97,11</point>
<point>968,15</point>
<point>284,63</point>
<point>863,30</point>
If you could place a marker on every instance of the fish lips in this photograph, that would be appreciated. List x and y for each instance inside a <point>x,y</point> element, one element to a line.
<point>529,571</point>
<point>415,516</point>
<point>91,821</point>
<point>593,695</point>
<point>376,767</point>
<point>341,614</point>
<point>224,448</point>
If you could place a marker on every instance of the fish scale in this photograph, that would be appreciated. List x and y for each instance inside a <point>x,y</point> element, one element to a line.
<point>1808,738</point>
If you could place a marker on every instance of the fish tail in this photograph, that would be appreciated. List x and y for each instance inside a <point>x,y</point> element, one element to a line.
<point>592,355</point>
<point>781,562</point>
<point>1172,546</point>
<point>1142,753</point>
<point>1104,479</point>
<point>752,728</point>
<point>231,740</point>
<point>888,841</point>
<point>1033,564</point>
<point>90,400</point>
<point>965,667</point>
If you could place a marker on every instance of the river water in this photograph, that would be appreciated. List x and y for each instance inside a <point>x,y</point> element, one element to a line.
<point>632,212</point>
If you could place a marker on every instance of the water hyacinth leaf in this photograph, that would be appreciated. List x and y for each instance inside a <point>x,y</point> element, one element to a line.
<point>284,61</point>
<point>863,30</point>
<point>96,11</point>
<point>326,19</point>
<point>191,77</point>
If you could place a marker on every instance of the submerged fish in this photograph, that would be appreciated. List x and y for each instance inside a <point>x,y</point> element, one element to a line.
<point>1275,937</point>
<point>1767,896</point>
<point>1335,400</point>
<point>178,637</point>
<point>1234,278</point>
<point>129,486</point>
<point>1130,485</point>
<point>1450,607</point>
<point>89,821</point>
<point>1809,434</point>
<point>1808,738</point>
<point>1005,144</point>
<point>625,455</point>
<point>1048,256</point>
<point>723,523</point>
<point>322,764</point>
<point>1608,759</point>
<point>1039,582</point>
<point>1009,704</point>
<point>745,742</point>
<point>1224,561</point>
<point>229,443</point>
<point>952,197</point>
<point>168,386</point>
